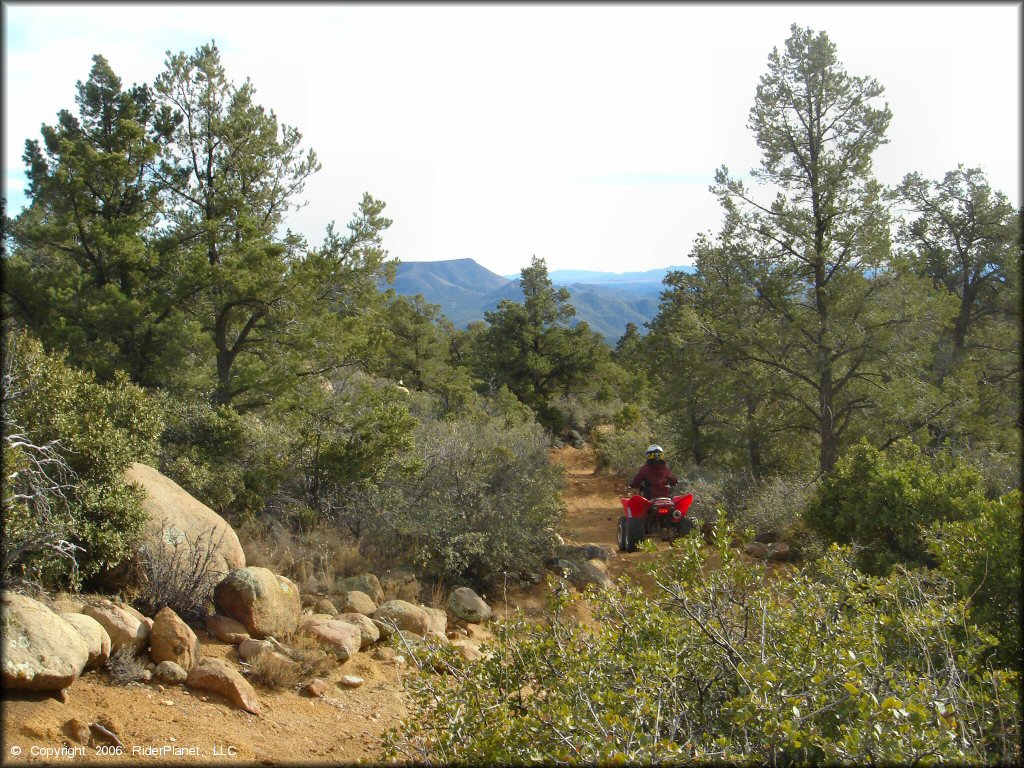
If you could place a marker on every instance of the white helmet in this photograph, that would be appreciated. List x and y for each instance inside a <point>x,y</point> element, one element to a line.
<point>655,452</point>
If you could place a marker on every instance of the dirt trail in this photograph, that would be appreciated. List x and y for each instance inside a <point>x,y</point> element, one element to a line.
<point>345,728</point>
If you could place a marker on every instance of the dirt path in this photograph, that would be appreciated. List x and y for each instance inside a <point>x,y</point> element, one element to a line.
<point>344,728</point>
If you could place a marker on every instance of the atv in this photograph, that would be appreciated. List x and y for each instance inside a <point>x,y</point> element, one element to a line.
<point>644,517</point>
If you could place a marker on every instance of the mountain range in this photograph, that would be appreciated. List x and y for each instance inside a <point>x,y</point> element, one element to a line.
<point>607,301</point>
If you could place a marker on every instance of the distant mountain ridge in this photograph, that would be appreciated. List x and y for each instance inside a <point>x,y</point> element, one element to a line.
<point>464,289</point>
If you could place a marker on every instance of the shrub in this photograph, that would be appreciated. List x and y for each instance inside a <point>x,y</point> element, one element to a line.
<point>727,665</point>
<point>479,505</point>
<point>180,574</point>
<point>881,502</point>
<point>124,667</point>
<point>100,430</point>
<point>982,558</point>
<point>274,672</point>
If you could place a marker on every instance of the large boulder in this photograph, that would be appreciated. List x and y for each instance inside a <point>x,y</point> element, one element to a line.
<point>217,676</point>
<point>358,602</point>
<point>41,651</point>
<point>122,627</point>
<point>171,639</point>
<point>400,584</point>
<point>369,634</point>
<point>264,602</point>
<point>95,636</point>
<point>366,583</point>
<point>468,605</point>
<point>175,517</point>
<point>404,615</point>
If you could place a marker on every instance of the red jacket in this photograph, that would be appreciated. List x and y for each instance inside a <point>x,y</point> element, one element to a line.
<point>658,475</point>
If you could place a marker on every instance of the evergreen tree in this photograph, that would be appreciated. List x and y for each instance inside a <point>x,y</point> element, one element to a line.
<point>529,347</point>
<point>821,310</point>
<point>82,272</point>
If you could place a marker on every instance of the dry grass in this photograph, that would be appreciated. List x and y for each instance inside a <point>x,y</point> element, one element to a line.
<point>274,672</point>
<point>313,559</point>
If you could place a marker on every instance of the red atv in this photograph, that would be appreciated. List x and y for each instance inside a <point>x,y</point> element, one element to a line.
<point>646,516</point>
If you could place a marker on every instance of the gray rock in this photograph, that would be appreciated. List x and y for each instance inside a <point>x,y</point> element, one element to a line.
<point>368,632</point>
<point>41,651</point>
<point>404,615</point>
<point>468,605</point>
<point>400,584</point>
<point>170,673</point>
<point>250,648</point>
<point>366,583</point>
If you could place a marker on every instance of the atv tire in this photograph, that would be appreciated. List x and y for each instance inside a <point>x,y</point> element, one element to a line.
<point>628,533</point>
<point>684,526</point>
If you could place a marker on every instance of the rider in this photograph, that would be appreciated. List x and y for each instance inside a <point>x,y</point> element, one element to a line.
<point>654,477</point>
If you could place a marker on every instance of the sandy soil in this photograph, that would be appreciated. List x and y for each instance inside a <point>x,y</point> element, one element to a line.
<point>344,727</point>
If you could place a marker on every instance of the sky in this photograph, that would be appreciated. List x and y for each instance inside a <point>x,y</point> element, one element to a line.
<point>584,134</point>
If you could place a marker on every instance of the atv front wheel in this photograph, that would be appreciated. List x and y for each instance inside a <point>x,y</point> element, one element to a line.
<point>628,533</point>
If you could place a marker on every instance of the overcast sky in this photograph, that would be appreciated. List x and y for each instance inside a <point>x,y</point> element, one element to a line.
<point>584,134</point>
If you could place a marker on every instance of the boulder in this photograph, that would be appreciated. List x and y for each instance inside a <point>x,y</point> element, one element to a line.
<point>226,629</point>
<point>41,651</point>
<point>468,605</point>
<point>767,537</point>
<point>779,551</point>
<point>340,637</point>
<point>176,518</point>
<point>466,650</point>
<point>264,602</point>
<point>324,605</point>
<point>95,636</point>
<point>217,676</point>
<point>366,583</point>
<point>400,584</point>
<point>587,551</point>
<point>368,632</point>
<point>404,615</point>
<point>583,575</point>
<point>576,439</point>
<point>317,687</point>
<point>250,649</point>
<point>122,627</point>
<point>358,602</point>
<point>171,639</point>
<point>436,638</point>
<point>383,628</point>
<point>170,673</point>
<point>437,620</point>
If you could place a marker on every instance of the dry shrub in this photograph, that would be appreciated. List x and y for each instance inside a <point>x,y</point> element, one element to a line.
<point>124,667</point>
<point>313,559</point>
<point>274,672</point>
<point>181,575</point>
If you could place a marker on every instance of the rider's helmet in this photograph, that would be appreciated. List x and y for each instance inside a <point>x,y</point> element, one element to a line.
<point>655,453</point>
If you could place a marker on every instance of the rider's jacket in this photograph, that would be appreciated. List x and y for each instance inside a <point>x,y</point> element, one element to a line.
<point>658,476</point>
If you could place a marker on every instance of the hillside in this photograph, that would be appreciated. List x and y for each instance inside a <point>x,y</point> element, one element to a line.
<point>465,291</point>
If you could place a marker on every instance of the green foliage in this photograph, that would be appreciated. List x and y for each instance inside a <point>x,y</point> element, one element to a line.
<point>100,430</point>
<point>882,500</point>
<point>981,556</point>
<point>529,348</point>
<point>726,665</point>
<point>481,504</point>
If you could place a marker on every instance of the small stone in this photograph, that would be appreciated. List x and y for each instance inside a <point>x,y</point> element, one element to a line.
<point>317,688</point>
<point>159,688</point>
<point>146,675</point>
<point>170,672</point>
<point>167,702</point>
<point>77,730</point>
<point>351,681</point>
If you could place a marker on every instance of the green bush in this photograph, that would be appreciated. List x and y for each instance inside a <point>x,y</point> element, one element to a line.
<point>982,558</point>
<point>881,501</point>
<point>480,504</point>
<point>99,429</point>
<point>726,665</point>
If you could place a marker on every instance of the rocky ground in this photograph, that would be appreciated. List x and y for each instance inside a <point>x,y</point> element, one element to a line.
<point>161,724</point>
